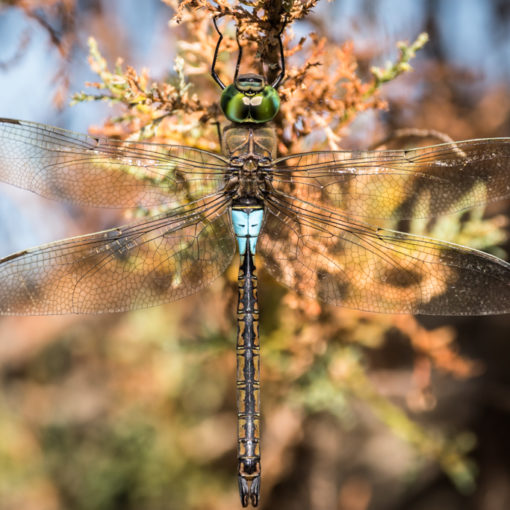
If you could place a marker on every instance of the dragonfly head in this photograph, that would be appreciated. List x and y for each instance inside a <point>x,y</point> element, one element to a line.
<point>250,99</point>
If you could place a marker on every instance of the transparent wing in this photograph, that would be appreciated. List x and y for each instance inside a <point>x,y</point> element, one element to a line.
<point>59,164</point>
<point>403,184</point>
<point>322,255</point>
<point>147,263</point>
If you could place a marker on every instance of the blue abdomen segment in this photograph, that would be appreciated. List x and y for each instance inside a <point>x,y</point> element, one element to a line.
<point>247,224</point>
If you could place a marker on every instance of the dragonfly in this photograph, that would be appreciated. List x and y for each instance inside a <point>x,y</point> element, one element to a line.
<point>313,218</point>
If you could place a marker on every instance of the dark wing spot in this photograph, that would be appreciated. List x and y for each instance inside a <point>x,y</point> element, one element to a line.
<point>402,278</point>
<point>331,287</point>
<point>161,282</point>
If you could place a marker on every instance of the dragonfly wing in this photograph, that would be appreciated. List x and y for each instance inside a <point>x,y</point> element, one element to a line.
<point>154,261</point>
<point>321,255</point>
<point>402,184</point>
<point>63,165</point>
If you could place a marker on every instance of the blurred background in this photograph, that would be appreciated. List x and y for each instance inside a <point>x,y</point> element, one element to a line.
<point>360,411</point>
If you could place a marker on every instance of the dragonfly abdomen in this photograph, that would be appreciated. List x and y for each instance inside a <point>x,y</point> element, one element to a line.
<point>247,223</point>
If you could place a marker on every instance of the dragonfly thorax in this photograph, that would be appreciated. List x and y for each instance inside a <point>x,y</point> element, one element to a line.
<point>251,151</point>
<point>255,143</point>
<point>250,99</point>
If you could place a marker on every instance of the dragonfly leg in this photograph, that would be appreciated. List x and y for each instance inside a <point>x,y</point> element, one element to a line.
<point>280,77</point>
<point>218,130</point>
<point>239,56</point>
<point>214,74</point>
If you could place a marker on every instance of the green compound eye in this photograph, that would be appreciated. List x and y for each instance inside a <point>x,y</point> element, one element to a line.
<point>248,106</point>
